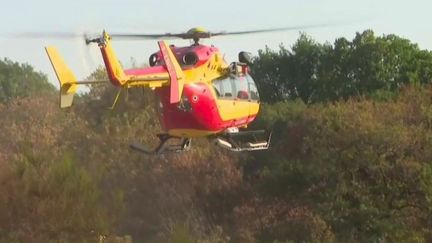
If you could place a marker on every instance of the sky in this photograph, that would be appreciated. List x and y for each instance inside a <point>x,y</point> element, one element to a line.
<point>342,18</point>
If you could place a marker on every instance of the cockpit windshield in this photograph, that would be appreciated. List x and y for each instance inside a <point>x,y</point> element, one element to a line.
<point>236,87</point>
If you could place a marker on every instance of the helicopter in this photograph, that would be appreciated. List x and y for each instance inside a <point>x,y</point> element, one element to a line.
<point>199,93</point>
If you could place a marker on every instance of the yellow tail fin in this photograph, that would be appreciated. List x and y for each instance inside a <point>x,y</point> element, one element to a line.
<point>175,72</point>
<point>68,82</point>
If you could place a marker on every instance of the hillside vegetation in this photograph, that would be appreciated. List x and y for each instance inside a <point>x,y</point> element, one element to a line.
<point>350,159</point>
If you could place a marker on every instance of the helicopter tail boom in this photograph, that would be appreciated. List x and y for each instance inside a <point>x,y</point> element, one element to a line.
<point>173,77</point>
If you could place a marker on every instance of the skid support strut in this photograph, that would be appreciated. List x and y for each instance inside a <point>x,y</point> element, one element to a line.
<point>163,147</point>
<point>244,141</point>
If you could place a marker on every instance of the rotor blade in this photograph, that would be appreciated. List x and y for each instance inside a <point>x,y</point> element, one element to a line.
<point>54,35</point>
<point>206,34</point>
<point>70,35</point>
<point>145,36</point>
<point>300,27</point>
<point>57,35</point>
<point>186,35</point>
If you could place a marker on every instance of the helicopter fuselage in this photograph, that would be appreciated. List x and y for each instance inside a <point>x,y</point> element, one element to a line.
<point>214,97</point>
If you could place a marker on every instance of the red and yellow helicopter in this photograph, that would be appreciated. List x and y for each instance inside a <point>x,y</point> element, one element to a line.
<point>200,94</point>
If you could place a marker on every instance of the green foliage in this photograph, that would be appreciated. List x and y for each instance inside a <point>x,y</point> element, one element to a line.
<point>20,80</point>
<point>44,201</point>
<point>181,235</point>
<point>362,166</point>
<point>317,72</point>
<point>47,196</point>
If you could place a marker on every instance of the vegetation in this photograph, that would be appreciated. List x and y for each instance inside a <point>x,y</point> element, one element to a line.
<point>350,159</point>
<point>317,72</point>
<point>19,80</point>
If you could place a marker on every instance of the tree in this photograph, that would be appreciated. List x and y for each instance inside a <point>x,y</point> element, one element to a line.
<point>322,72</point>
<point>20,80</point>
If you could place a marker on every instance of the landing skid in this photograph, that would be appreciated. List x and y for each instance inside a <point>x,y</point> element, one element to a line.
<point>233,141</point>
<point>163,147</point>
<point>244,141</point>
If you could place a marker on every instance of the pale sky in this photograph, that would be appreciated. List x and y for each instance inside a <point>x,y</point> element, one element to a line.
<point>409,19</point>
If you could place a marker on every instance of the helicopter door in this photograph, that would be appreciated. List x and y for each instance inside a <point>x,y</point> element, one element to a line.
<point>225,91</point>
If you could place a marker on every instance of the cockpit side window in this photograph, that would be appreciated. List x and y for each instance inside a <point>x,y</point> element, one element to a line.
<point>227,88</point>
<point>253,91</point>
<point>217,85</point>
<point>223,87</point>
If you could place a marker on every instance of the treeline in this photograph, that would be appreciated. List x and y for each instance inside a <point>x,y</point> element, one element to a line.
<point>355,169</point>
<point>315,72</point>
<point>20,80</point>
